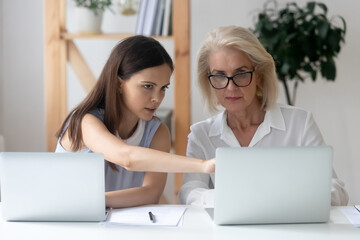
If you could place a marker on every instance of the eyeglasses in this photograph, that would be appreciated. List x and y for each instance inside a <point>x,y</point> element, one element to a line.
<point>242,79</point>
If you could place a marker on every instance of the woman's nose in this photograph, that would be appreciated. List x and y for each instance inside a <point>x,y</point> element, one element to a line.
<point>157,97</point>
<point>231,86</point>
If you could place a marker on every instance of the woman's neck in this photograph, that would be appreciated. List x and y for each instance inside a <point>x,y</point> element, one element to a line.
<point>128,125</point>
<point>245,123</point>
<point>126,130</point>
<point>252,116</point>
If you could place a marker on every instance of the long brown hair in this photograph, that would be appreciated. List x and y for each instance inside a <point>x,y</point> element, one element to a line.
<point>128,57</point>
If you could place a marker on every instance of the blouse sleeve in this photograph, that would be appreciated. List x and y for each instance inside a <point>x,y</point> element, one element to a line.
<point>197,188</point>
<point>312,137</point>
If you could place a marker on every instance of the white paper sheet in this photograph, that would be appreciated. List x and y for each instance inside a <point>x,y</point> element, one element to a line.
<point>353,215</point>
<point>139,216</point>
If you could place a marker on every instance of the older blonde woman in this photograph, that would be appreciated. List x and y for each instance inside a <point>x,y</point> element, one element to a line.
<point>236,72</point>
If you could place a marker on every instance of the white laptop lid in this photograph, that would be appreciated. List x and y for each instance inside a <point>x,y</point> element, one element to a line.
<point>260,185</point>
<point>52,186</point>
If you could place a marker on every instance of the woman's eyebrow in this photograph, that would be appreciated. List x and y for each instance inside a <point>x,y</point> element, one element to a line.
<point>242,68</point>
<point>239,69</point>
<point>149,82</point>
<point>153,83</point>
<point>217,71</point>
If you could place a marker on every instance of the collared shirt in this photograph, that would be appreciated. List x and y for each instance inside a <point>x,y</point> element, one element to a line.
<point>282,126</point>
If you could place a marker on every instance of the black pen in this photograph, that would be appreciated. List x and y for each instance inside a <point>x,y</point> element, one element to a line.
<point>357,207</point>
<point>152,217</point>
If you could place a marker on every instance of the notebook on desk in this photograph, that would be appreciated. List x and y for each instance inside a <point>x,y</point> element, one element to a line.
<point>272,185</point>
<point>52,186</point>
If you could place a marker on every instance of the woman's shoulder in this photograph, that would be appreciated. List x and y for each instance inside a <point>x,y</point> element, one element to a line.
<point>293,110</point>
<point>98,112</point>
<point>162,131</point>
<point>295,114</point>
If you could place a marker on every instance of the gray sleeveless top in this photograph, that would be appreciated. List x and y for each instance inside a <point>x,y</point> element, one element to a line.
<point>121,179</point>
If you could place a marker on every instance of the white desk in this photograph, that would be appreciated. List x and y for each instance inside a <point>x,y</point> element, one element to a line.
<point>197,225</point>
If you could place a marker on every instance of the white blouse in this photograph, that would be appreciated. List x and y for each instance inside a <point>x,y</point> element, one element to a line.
<point>282,126</point>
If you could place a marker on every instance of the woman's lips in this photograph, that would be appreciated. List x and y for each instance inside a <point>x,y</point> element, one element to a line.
<point>232,99</point>
<point>150,110</point>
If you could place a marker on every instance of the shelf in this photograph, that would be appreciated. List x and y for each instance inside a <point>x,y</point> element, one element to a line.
<point>115,36</point>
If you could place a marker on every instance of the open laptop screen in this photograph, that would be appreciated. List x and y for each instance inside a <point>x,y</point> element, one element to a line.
<point>272,185</point>
<point>52,186</point>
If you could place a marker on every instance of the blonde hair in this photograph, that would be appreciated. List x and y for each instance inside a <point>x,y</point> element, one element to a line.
<point>243,40</point>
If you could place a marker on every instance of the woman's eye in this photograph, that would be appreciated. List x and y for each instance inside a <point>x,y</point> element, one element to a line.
<point>148,86</point>
<point>164,88</point>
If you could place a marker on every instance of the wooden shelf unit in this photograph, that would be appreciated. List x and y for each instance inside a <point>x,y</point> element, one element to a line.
<point>60,49</point>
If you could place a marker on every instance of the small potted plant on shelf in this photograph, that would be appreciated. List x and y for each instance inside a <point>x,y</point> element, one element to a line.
<point>302,41</point>
<point>89,14</point>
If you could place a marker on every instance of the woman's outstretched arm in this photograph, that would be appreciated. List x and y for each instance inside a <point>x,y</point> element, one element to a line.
<point>97,138</point>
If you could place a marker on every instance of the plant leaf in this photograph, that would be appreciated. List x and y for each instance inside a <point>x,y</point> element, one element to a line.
<point>323,7</point>
<point>310,6</point>
<point>300,39</point>
<point>323,28</point>
<point>328,69</point>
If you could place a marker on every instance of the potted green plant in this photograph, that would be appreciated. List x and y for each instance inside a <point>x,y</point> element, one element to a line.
<point>302,41</point>
<point>89,14</point>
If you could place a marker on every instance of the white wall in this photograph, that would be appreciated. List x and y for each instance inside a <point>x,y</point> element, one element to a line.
<point>1,70</point>
<point>23,95</point>
<point>335,105</point>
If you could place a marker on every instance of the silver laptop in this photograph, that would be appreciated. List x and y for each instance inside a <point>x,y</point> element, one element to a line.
<point>261,185</point>
<point>52,186</point>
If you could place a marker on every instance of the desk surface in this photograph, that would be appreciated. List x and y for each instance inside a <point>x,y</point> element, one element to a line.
<point>197,225</point>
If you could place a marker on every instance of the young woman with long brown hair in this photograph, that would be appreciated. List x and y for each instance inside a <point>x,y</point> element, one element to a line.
<point>117,119</point>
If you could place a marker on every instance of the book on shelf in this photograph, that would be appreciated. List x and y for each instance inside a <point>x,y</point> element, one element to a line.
<point>157,28</point>
<point>170,32</point>
<point>167,18</point>
<point>150,17</point>
<point>154,18</point>
<point>141,17</point>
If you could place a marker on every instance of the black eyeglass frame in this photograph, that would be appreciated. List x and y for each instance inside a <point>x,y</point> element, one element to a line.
<point>232,79</point>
